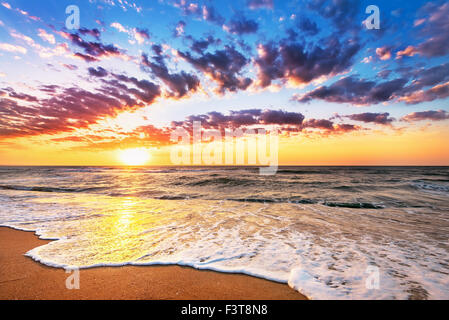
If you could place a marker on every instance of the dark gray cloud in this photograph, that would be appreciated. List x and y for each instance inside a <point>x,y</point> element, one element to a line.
<point>355,91</point>
<point>92,32</point>
<point>286,122</point>
<point>94,50</point>
<point>423,77</point>
<point>201,45</point>
<point>242,118</point>
<point>308,26</point>
<point>148,90</point>
<point>302,64</point>
<point>427,115</point>
<point>99,72</point>
<point>179,84</point>
<point>242,25</point>
<point>211,15</point>
<point>68,109</point>
<point>342,13</point>
<point>370,117</point>
<point>410,88</point>
<point>223,66</point>
<point>15,95</point>
<point>435,30</point>
<point>319,124</point>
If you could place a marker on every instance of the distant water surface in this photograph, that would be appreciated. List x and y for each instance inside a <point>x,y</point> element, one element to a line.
<point>320,229</point>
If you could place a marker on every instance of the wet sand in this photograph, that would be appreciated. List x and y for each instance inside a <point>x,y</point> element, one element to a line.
<point>24,279</point>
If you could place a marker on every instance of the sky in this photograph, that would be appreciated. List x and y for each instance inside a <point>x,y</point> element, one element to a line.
<point>337,91</point>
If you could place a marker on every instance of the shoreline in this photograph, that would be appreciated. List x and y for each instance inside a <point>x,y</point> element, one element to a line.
<point>22,278</point>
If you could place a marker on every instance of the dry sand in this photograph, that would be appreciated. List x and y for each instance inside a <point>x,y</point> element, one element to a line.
<point>22,278</point>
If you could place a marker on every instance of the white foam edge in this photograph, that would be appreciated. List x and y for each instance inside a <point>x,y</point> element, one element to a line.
<point>33,254</point>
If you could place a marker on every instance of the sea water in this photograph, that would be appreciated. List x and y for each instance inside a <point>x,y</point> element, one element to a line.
<point>326,231</point>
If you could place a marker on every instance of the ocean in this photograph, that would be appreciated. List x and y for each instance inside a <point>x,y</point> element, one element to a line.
<point>329,232</point>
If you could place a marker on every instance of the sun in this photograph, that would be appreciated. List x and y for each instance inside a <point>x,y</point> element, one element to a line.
<point>134,157</point>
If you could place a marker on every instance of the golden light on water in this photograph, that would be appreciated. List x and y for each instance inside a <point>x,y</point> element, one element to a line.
<point>134,157</point>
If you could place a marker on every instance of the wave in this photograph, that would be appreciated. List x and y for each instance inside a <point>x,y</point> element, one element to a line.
<point>183,196</point>
<point>431,187</point>
<point>286,171</point>
<point>220,181</point>
<point>275,200</point>
<point>354,205</point>
<point>49,189</point>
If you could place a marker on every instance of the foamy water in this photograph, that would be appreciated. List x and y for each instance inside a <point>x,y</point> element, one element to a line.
<point>317,229</point>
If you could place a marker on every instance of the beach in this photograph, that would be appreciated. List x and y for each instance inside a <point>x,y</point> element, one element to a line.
<point>225,233</point>
<point>24,279</point>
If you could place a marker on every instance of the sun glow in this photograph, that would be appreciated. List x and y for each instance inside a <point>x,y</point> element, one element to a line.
<point>134,157</point>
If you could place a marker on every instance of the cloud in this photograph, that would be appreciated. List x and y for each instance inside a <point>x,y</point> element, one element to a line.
<point>241,25</point>
<point>23,12</point>
<point>179,84</point>
<point>201,45</point>
<point>410,51</point>
<point>243,118</point>
<point>69,109</point>
<point>65,111</point>
<point>19,96</point>
<point>301,64</point>
<point>124,5</point>
<point>369,117</point>
<point>355,91</point>
<point>286,122</point>
<point>46,36</point>
<point>308,26</point>
<point>141,35</point>
<point>384,74</point>
<point>85,57</point>
<point>426,115</point>
<point>440,91</point>
<point>207,13</point>
<point>119,27</point>
<point>358,91</point>
<point>342,13</point>
<point>100,72</point>
<point>71,67</point>
<point>319,124</point>
<point>148,91</point>
<point>179,30</point>
<point>43,52</point>
<point>12,48</point>
<point>188,7</point>
<point>384,53</point>
<point>223,66</point>
<point>92,32</point>
<point>94,50</point>
<point>211,15</point>
<point>260,4</point>
<point>281,117</point>
<point>434,30</point>
<point>428,77</point>
<point>137,34</point>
